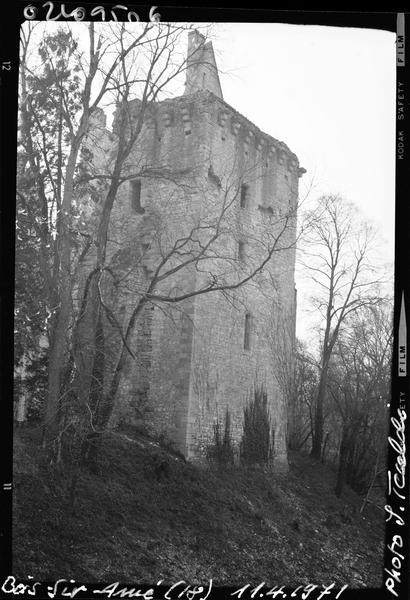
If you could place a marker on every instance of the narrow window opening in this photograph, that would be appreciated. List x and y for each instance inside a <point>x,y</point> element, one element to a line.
<point>244,195</point>
<point>247,333</point>
<point>135,192</point>
<point>241,250</point>
<point>187,131</point>
<point>203,79</point>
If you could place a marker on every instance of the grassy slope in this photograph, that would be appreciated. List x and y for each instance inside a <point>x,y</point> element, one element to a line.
<point>193,524</point>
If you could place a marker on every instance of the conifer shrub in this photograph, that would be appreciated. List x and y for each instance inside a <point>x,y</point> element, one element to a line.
<point>220,452</point>
<point>257,442</point>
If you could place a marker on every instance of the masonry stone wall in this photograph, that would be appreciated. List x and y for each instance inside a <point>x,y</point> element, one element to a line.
<point>195,160</point>
<point>224,373</point>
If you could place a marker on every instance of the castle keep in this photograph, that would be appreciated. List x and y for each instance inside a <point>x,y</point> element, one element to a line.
<point>214,203</point>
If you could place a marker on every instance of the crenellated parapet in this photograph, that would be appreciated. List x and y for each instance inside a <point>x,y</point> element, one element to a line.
<point>167,116</point>
<point>255,140</point>
<point>186,113</point>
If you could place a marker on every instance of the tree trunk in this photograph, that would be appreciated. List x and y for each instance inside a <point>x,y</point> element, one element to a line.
<point>96,395</point>
<point>85,333</point>
<point>317,437</point>
<point>56,367</point>
<point>351,475</point>
<point>107,403</point>
<point>324,447</point>
<point>343,458</point>
<point>59,348</point>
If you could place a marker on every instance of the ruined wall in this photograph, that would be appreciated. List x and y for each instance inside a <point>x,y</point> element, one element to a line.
<point>202,72</point>
<point>167,163</point>
<point>224,373</point>
<point>190,364</point>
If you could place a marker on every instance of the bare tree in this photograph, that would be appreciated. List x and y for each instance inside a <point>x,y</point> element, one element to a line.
<point>337,257</point>
<point>72,84</point>
<point>301,399</point>
<point>73,158</point>
<point>359,386</point>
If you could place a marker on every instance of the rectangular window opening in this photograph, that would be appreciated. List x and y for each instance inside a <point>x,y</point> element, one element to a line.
<point>241,250</point>
<point>244,195</point>
<point>135,192</point>
<point>247,333</point>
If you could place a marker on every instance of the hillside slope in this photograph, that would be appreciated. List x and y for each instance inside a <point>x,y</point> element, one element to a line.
<point>138,523</point>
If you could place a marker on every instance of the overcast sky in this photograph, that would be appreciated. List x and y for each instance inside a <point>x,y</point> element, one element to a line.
<point>329,94</point>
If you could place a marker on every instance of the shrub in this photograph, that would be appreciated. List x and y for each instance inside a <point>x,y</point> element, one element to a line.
<point>169,445</point>
<point>258,435</point>
<point>221,451</point>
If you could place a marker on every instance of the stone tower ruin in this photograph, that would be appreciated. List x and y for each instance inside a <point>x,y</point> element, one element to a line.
<point>199,357</point>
